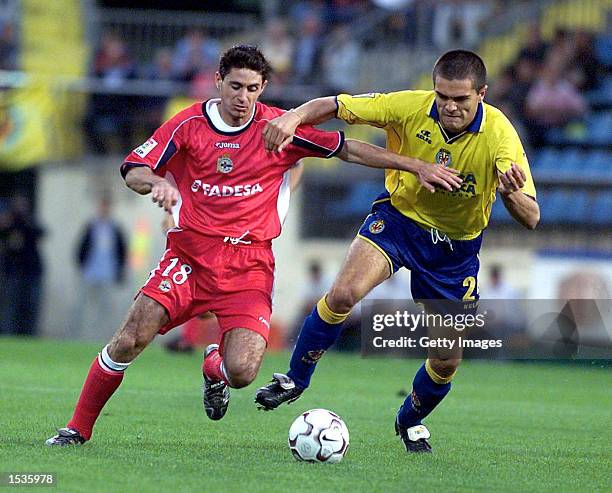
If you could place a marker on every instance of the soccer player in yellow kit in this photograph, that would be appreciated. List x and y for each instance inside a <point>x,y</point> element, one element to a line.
<point>435,235</point>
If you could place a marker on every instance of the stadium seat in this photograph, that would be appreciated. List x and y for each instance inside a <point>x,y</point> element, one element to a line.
<point>601,207</point>
<point>603,95</point>
<point>603,50</point>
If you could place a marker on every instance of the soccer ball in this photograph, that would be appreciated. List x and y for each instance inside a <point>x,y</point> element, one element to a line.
<point>318,435</point>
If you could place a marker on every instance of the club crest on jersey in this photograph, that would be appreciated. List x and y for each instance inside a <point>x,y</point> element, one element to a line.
<point>377,226</point>
<point>225,164</point>
<point>443,157</point>
<point>165,286</point>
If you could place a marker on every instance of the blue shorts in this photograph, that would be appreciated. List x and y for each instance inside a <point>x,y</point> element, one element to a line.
<point>441,268</point>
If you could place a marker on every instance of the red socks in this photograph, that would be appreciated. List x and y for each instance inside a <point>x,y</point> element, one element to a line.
<point>98,388</point>
<point>213,367</point>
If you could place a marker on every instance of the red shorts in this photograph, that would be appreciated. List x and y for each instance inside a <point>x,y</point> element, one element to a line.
<point>198,274</point>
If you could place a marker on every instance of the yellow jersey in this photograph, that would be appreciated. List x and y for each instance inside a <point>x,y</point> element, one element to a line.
<point>411,121</point>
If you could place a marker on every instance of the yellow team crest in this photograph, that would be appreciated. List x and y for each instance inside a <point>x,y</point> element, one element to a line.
<point>225,164</point>
<point>377,226</point>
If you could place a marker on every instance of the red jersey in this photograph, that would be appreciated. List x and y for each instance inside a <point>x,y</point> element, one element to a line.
<point>229,185</point>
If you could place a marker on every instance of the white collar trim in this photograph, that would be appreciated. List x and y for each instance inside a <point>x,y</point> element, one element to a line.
<point>212,110</point>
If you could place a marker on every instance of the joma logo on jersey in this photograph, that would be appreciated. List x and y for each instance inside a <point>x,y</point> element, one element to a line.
<point>227,145</point>
<point>443,157</point>
<point>226,190</point>
<point>225,164</point>
<point>424,135</point>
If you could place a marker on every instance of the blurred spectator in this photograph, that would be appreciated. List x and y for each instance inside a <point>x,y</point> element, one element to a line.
<point>560,48</point>
<point>402,23</point>
<point>101,259</point>
<point>552,101</point>
<point>510,90</point>
<point>203,86</point>
<point>535,48</point>
<point>585,68</point>
<point>498,288</point>
<point>152,108</point>
<point>193,54</point>
<point>345,11</point>
<point>457,23</point>
<point>21,288</point>
<point>315,286</point>
<point>161,68</point>
<point>544,88</point>
<point>108,119</point>
<point>278,48</point>
<point>307,50</point>
<point>301,9</point>
<point>504,314</point>
<point>8,47</point>
<point>341,64</point>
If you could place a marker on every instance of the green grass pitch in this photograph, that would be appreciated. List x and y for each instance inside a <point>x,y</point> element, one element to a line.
<point>504,427</point>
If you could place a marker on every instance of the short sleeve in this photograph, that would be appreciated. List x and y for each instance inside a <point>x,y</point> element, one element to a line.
<point>165,142</point>
<point>309,141</point>
<point>511,151</point>
<point>371,109</point>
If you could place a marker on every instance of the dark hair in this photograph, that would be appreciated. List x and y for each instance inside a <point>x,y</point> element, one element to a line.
<point>459,65</point>
<point>244,56</point>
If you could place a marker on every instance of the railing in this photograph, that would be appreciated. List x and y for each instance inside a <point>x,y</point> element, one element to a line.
<point>146,30</point>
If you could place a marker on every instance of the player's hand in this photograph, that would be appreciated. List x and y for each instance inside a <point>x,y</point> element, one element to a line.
<point>437,175</point>
<point>280,131</point>
<point>512,180</point>
<point>164,195</point>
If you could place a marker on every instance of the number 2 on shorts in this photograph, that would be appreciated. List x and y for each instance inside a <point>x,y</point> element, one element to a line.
<point>470,284</point>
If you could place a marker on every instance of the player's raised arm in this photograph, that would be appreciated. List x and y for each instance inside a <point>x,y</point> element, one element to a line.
<point>280,131</point>
<point>142,180</point>
<point>429,175</point>
<point>522,207</point>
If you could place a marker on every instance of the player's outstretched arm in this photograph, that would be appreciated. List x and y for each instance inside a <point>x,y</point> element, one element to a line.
<point>430,175</point>
<point>280,131</point>
<point>143,181</point>
<point>523,208</point>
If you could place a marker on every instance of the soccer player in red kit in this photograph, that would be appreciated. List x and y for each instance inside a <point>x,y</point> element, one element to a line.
<point>228,195</point>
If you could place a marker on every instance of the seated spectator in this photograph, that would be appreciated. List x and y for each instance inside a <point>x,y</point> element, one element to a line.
<point>108,118</point>
<point>307,50</point>
<point>586,70</point>
<point>535,48</point>
<point>341,62</point>
<point>8,47</point>
<point>161,68</point>
<point>458,22</point>
<point>344,11</point>
<point>151,108</point>
<point>193,53</point>
<point>552,101</point>
<point>278,48</point>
